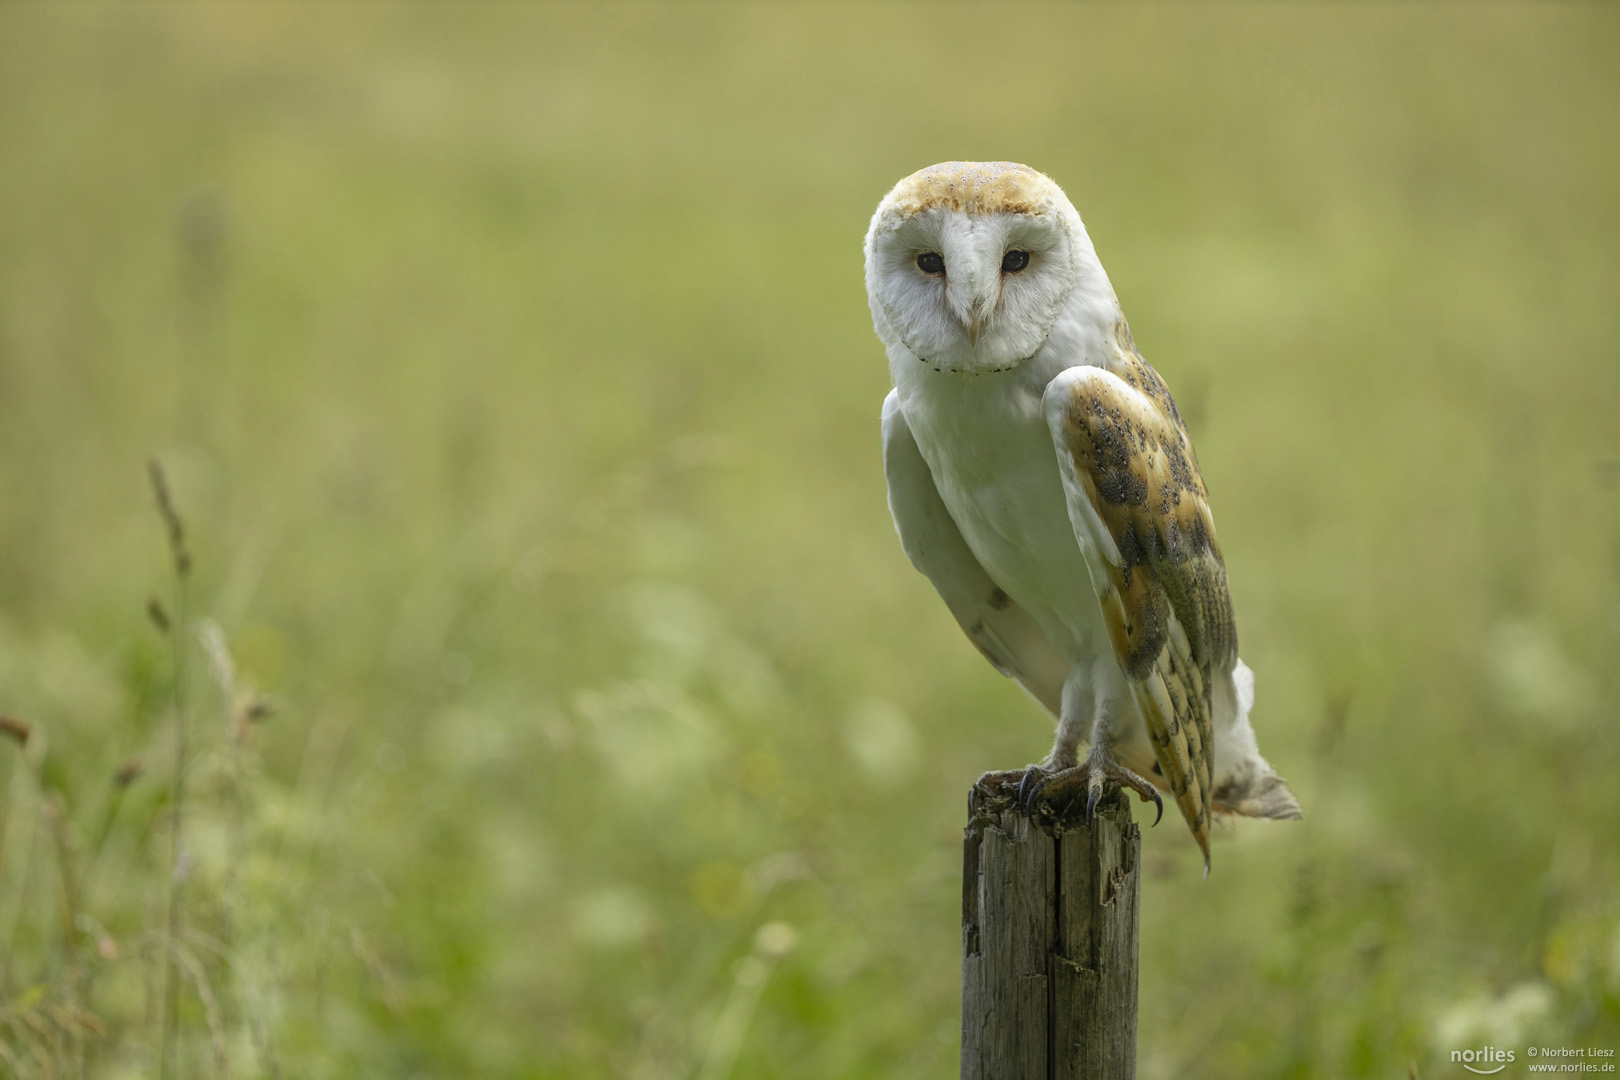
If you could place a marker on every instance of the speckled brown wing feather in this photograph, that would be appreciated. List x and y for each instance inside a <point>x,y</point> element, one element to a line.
<point>1140,506</point>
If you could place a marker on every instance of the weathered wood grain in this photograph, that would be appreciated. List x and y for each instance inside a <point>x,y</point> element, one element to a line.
<point>1049,925</point>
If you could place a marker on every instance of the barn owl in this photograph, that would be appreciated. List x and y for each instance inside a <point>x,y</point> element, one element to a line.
<point>1041,477</point>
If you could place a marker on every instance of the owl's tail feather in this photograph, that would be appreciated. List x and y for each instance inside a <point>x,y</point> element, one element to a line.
<point>1257,794</point>
<point>1245,783</point>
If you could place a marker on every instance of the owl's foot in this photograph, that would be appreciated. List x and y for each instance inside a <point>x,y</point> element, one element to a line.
<point>1003,786</point>
<point>995,784</point>
<point>1021,788</point>
<point>1042,787</point>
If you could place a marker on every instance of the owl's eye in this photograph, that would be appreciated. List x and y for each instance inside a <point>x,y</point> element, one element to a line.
<point>1014,261</point>
<point>931,262</point>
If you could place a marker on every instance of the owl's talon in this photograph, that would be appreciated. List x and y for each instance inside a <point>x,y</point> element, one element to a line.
<point>1097,772</point>
<point>1030,788</point>
<point>994,785</point>
<point>1035,788</point>
<point>1020,787</point>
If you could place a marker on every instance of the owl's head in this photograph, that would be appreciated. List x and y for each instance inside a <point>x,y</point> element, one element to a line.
<point>969,264</point>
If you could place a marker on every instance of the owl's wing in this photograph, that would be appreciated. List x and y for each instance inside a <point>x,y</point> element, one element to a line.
<point>1003,631</point>
<point>1140,509</point>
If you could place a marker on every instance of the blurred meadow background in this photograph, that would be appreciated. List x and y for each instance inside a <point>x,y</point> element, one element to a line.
<point>557,700</point>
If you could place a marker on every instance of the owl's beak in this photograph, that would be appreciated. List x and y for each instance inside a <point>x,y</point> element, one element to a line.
<point>978,316</point>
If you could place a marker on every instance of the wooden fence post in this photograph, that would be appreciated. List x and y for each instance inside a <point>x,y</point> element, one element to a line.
<point>1049,923</point>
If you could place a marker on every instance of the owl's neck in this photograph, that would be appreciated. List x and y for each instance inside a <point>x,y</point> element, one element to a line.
<point>1084,333</point>
<point>1087,332</point>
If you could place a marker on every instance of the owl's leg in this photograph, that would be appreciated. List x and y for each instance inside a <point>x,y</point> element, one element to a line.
<point>1096,773</point>
<point>1091,699</point>
<point>1074,717</point>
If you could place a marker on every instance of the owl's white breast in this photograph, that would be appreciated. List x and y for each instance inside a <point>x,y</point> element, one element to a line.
<point>988,446</point>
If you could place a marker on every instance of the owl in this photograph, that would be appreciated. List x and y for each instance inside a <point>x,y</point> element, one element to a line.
<point>1041,477</point>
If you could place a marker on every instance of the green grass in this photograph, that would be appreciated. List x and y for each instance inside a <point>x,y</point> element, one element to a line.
<point>512,369</point>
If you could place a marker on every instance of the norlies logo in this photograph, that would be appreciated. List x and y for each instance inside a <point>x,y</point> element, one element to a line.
<point>1485,1055</point>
